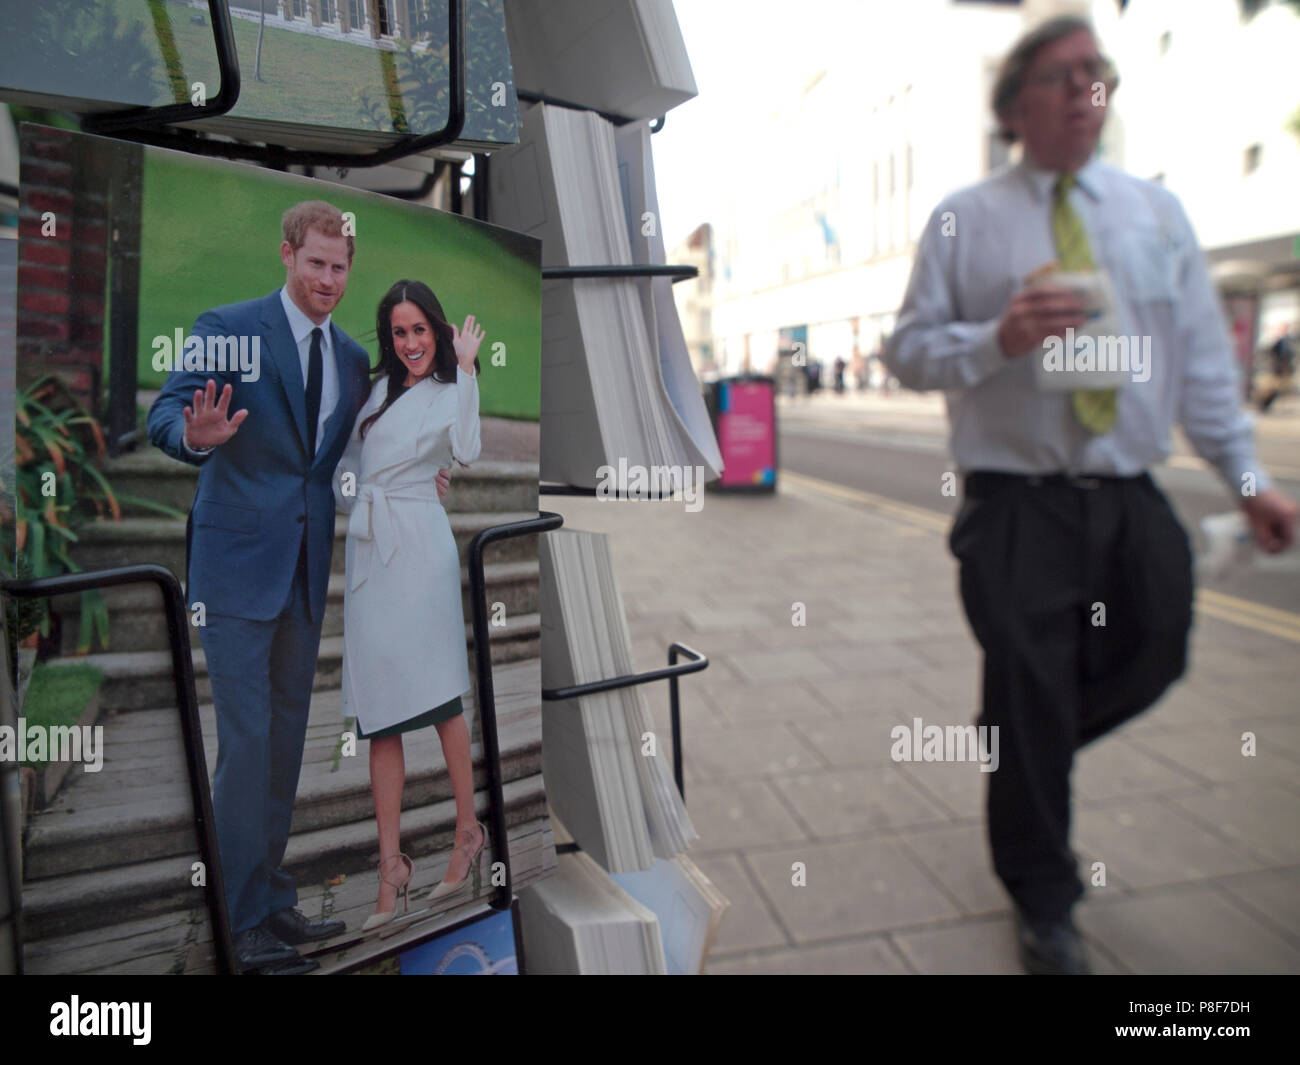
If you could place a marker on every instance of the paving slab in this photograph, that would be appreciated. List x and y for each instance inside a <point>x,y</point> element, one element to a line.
<point>842,802</point>
<point>749,922</point>
<point>739,814</point>
<point>1260,817</point>
<point>1148,842</point>
<point>852,887</point>
<point>1187,930</point>
<point>874,956</point>
<point>1272,895</point>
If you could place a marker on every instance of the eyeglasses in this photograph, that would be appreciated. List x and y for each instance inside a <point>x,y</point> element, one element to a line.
<point>1090,71</point>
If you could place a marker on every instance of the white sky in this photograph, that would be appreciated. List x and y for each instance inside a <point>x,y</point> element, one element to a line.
<point>747,57</point>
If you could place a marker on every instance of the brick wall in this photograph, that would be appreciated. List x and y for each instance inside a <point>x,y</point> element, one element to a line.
<point>61,277</point>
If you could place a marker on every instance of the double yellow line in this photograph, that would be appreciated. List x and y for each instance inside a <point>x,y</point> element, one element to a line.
<point>1249,615</point>
<point>1283,624</point>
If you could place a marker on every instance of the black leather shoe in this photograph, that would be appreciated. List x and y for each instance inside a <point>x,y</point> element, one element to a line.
<point>292,927</point>
<point>256,948</point>
<point>1050,947</point>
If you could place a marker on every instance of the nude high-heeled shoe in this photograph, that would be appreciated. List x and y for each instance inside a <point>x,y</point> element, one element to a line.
<point>445,889</point>
<point>378,920</point>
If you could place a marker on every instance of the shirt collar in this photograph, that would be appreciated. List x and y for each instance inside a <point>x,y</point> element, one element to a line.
<point>1041,182</point>
<point>299,324</point>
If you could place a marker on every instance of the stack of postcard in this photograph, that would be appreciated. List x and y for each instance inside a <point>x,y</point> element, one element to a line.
<point>623,57</point>
<point>579,922</point>
<point>606,770</point>
<point>688,906</point>
<point>620,391</point>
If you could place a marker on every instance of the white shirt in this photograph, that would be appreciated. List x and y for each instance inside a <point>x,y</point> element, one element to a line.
<point>977,248</point>
<point>301,326</point>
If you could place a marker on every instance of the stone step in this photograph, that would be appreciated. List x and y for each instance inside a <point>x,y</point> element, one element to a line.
<point>80,902</point>
<point>142,680</point>
<point>127,829</point>
<point>137,807</point>
<point>137,621</point>
<point>484,486</point>
<point>105,544</point>
<point>177,939</point>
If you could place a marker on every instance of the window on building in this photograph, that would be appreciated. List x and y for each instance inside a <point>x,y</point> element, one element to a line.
<point>356,13</point>
<point>329,10</point>
<point>384,11</point>
<point>298,8</point>
<point>1250,158</point>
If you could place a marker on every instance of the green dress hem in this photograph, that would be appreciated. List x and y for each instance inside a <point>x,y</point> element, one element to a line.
<point>439,714</point>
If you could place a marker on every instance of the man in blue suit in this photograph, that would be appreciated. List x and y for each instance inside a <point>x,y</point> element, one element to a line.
<point>260,536</point>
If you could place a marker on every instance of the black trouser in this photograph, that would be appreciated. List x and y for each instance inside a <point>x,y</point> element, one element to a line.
<point>1079,590</point>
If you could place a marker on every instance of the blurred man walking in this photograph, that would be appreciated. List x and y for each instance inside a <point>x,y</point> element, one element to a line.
<point>1075,573</point>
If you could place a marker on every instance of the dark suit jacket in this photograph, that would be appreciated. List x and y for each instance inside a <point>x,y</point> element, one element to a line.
<point>257,491</point>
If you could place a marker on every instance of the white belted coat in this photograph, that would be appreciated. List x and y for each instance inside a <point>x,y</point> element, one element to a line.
<point>404,649</point>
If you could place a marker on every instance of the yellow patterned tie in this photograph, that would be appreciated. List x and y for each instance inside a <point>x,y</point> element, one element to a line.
<point>1096,409</point>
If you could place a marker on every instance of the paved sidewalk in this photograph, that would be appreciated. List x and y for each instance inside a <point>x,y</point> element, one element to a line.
<point>787,738</point>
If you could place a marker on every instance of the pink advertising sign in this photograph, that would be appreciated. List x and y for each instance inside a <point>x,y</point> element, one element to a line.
<point>747,433</point>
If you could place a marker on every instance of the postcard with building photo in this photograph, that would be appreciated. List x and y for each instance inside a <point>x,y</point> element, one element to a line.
<point>341,73</point>
<point>356,346</point>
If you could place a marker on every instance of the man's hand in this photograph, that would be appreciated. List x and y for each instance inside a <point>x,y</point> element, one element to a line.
<point>1272,519</point>
<point>1034,314</point>
<point>206,425</point>
<point>444,482</point>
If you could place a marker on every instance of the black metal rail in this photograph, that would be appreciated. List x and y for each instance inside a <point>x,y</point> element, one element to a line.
<point>187,705</point>
<point>138,123</point>
<point>486,693</point>
<point>136,118</point>
<point>697,662</point>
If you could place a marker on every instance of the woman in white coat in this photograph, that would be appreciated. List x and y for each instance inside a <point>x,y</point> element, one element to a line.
<point>404,656</point>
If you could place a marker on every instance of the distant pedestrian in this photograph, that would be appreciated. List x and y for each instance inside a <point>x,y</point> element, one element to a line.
<point>1075,573</point>
<point>1281,357</point>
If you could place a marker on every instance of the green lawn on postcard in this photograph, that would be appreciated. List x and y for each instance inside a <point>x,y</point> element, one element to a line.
<point>211,236</point>
<point>57,697</point>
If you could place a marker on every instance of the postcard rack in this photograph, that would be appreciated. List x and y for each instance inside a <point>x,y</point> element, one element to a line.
<point>678,272</point>
<point>156,126</point>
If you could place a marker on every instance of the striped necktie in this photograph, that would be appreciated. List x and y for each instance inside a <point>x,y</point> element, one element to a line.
<point>1095,409</point>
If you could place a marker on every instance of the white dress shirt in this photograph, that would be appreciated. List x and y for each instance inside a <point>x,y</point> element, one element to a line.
<point>977,248</point>
<point>301,326</point>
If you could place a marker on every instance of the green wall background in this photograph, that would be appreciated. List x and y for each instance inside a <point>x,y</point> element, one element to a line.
<point>210,235</point>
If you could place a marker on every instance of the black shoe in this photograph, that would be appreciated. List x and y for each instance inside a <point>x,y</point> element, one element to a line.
<point>256,948</point>
<point>1050,947</point>
<point>292,927</point>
